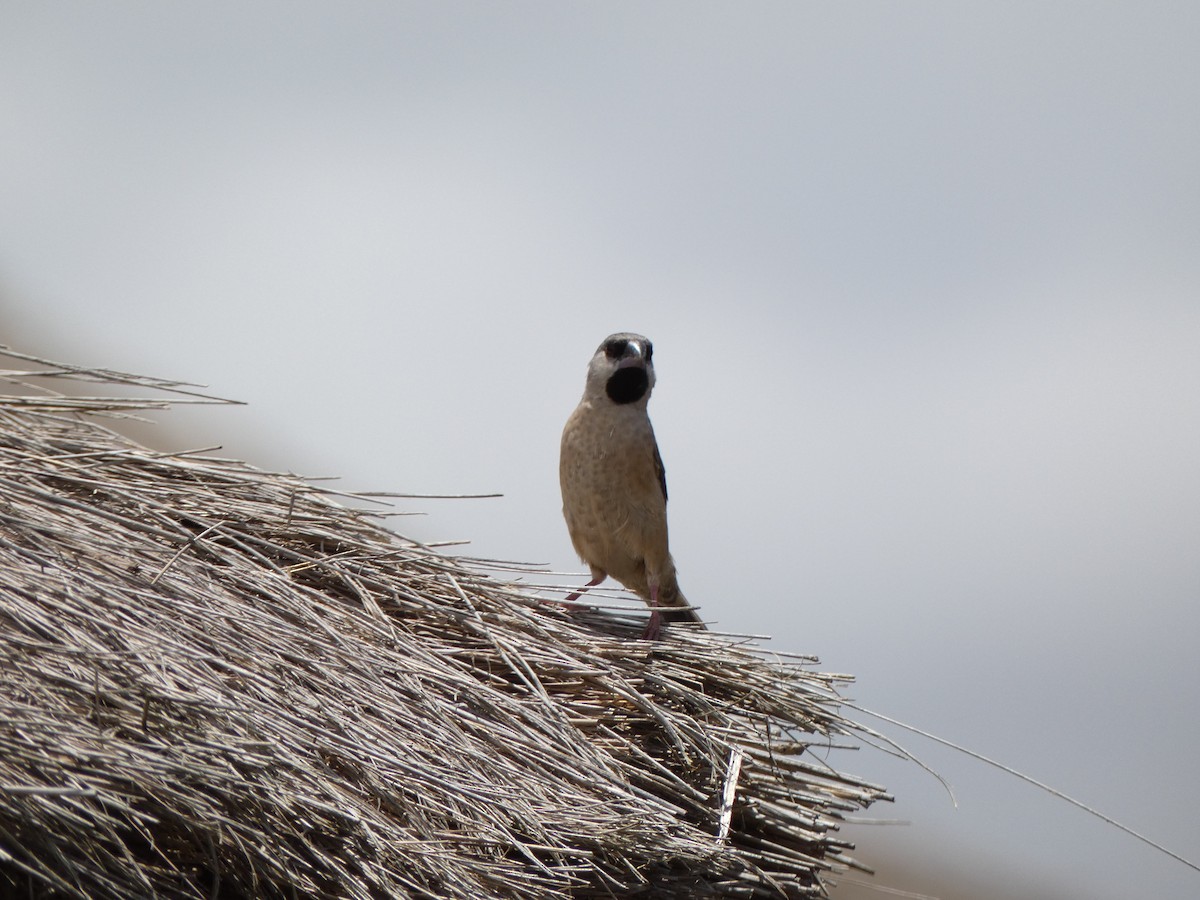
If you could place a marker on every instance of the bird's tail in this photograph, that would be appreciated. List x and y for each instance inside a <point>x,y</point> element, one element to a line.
<point>670,598</point>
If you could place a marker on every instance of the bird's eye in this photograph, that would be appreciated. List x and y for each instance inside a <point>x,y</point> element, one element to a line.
<point>615,349</point>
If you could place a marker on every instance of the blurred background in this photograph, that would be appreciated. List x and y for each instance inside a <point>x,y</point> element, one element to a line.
<point>923,282</point>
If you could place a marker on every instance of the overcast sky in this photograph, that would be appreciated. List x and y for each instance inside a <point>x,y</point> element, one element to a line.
<point>923,281</point>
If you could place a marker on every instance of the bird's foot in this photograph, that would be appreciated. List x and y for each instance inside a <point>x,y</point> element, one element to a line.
<point>568,602</point>
<point>654,627</point>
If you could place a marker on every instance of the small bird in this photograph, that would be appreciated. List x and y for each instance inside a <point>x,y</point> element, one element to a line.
<point>614,488</point>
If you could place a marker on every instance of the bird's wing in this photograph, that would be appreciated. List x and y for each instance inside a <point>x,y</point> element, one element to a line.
<point>661,471</point>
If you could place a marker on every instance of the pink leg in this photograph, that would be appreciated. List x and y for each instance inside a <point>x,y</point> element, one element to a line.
<point>654,626</point>
<point>575,596</point>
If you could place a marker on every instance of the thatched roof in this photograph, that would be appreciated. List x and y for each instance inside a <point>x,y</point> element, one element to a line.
<point>219,681</point>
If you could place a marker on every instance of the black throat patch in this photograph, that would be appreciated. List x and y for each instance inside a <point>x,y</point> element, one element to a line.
<point>627,385</point>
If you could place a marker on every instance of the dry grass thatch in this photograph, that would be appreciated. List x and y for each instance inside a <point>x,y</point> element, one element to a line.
<point>218,681</point>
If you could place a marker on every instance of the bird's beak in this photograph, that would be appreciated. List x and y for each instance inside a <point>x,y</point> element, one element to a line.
<point>634,356</point>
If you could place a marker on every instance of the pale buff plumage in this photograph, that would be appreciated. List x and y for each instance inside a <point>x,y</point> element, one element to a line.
<point>613,486</point>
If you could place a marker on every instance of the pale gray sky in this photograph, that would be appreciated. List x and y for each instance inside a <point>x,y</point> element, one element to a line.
<point>923,282</point>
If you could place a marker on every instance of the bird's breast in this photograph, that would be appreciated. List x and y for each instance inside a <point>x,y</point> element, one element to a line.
<point>608,472</point>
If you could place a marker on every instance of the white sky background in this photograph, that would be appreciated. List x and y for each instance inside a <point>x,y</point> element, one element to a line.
<point>923,282</point>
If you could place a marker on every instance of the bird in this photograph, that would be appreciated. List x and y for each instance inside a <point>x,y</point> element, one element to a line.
<point>614,487</point>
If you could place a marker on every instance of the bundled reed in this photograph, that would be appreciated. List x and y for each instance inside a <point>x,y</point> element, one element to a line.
<point>217,681</point>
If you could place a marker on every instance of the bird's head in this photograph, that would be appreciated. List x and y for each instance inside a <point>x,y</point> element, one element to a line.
<point>622,369</point>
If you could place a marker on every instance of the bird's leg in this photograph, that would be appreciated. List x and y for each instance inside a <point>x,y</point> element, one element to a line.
<point>575,596</point>
<point>654,626</point>
<point>569,601</point>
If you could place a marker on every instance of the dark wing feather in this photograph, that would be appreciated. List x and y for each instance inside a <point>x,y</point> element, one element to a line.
<point>660,471</point>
